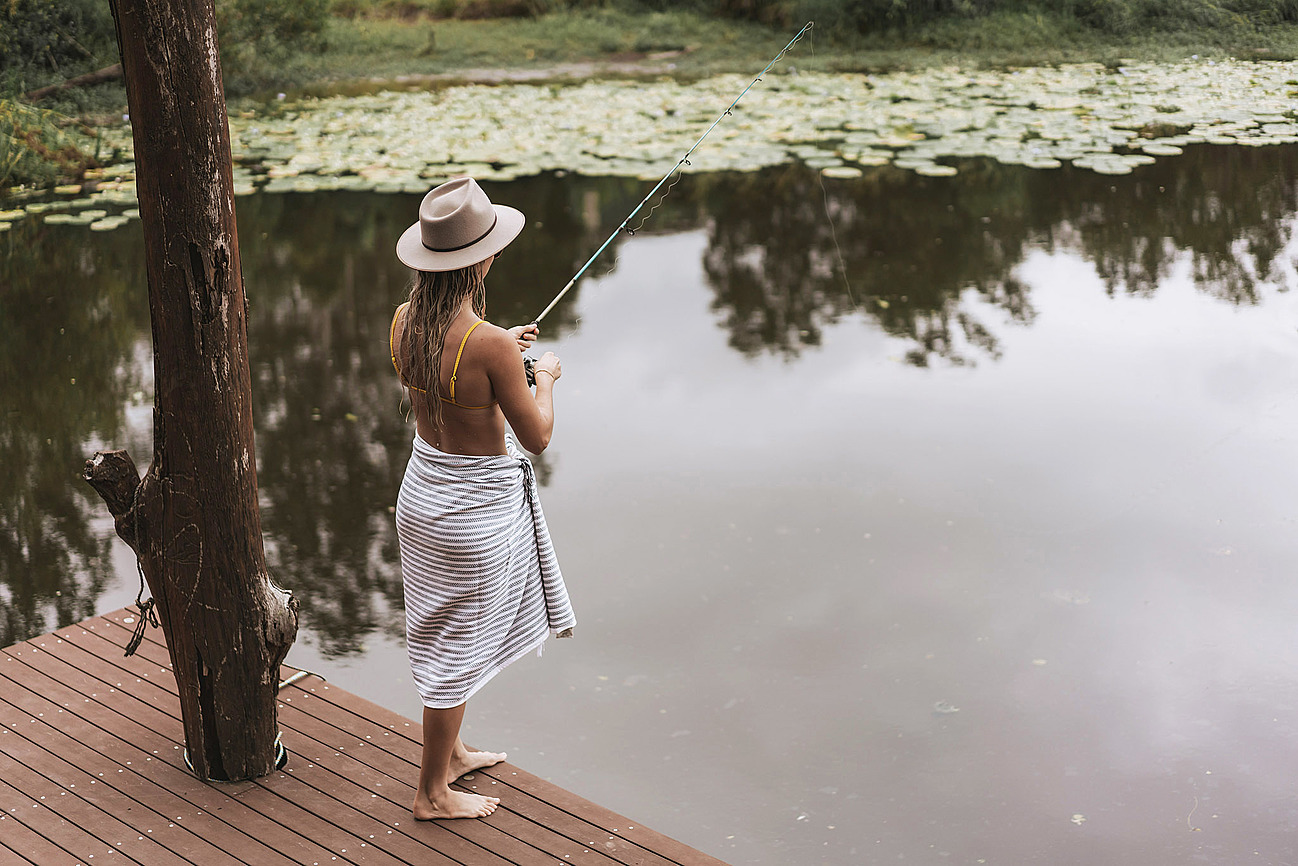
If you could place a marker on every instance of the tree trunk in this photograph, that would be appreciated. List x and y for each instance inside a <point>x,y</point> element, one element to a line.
<point>193,519</point>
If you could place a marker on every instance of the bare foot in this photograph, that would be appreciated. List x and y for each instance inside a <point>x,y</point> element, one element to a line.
<point>453,804</point>
<point>466,761</point>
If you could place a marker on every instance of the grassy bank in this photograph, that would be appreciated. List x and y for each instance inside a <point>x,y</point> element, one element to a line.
<point>365,48</point>
<point>376,41</point>
<point>362,48</point>
<point>368,48</point>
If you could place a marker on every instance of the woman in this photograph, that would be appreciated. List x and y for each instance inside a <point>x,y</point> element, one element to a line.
<point>482,585</point>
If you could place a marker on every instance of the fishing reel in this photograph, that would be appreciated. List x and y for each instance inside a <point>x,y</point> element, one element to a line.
<point>529,367</point>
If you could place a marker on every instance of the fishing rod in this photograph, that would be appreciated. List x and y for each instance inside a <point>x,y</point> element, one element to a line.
<point>684,160</point>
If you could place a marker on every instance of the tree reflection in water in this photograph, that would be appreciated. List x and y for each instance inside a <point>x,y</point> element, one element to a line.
<point>909,246</point>
<point>930,261</point>
<point>912,248</point>
<point>69,335</point>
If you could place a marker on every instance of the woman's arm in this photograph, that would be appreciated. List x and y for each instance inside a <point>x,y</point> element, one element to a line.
<point>531,416</point>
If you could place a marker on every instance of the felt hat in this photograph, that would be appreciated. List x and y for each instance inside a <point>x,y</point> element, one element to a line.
<point>458,226</point>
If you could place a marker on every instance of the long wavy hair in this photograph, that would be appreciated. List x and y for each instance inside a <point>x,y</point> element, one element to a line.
<point>435,299</point>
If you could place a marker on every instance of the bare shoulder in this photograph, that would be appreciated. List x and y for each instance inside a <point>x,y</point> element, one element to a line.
<point>497,351</point>
<point>494,339</point>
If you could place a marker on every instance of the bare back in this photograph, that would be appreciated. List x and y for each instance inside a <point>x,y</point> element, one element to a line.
<point>490,390</point>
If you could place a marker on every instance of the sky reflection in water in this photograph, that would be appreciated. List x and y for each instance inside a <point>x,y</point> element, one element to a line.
<point>988,558</point>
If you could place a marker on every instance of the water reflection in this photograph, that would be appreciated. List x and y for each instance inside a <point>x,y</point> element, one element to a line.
<point>329,436</point>
<point>932,262</point>
<point>69,330</point>
<point>788,256</point>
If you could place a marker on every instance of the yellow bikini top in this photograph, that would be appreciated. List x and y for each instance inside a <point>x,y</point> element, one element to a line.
<point>454,370</point>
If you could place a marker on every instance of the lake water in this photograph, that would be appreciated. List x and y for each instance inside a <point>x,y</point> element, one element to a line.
<point>907,519</point>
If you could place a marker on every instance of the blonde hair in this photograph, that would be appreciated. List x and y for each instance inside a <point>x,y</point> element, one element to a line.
<point>435,300</point>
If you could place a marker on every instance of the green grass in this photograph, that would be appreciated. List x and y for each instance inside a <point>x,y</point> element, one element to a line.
<point>384,48</point>
<point>365,49</point>
<point>363,52</point>
<point>368,49</point>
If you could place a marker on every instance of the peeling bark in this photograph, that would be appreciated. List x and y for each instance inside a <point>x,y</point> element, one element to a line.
<point>193,518</point>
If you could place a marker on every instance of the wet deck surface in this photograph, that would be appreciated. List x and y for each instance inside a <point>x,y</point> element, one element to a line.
<point>92,772</point>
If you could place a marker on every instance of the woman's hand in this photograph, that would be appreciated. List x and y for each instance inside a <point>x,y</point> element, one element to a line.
<point>549,363</point>
<point>525,335</point>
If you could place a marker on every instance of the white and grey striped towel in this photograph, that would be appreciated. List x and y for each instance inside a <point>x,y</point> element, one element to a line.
<point>482,583</point>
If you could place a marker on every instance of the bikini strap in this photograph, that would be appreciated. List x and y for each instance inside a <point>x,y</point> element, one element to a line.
<point>392,349</point>
<point>459,354</point>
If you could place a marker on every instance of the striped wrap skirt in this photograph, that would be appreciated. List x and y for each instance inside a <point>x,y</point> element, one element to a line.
<point>482,583</point>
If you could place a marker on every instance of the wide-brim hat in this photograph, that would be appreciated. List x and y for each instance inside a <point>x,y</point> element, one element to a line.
<point>458,226</point>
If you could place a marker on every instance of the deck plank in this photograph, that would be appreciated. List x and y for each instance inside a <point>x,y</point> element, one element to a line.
<point>49,805</point>
<point>279,806</point>
<point>68,734</point>
<point>343,807</point>
<point>99,735</point>
<point>64,760</point>
<point>63,833</point>
<point>480,842</point>
<point>553,810</point>
<point>560,834</point>
<point>364,715</point>
<point>264,822</point>
<point>20,844</point>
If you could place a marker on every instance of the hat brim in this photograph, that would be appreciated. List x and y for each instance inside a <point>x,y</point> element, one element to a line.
<point>412,252</point>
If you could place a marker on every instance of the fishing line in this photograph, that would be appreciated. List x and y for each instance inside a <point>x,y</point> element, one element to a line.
<point>829,218</point>
<point>675,171</point>
<point>838,251</point>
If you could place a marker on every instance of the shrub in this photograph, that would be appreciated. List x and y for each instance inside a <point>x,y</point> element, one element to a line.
<point>479,9</point>
<point>854,15</point>
<point>1117,17</point>
<point>38,148</point>
<point>257,36</point>
<point>273,21</point>
<point>40,39</point>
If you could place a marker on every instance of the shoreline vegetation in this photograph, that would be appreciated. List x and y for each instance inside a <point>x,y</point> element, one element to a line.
<point>345,47</point>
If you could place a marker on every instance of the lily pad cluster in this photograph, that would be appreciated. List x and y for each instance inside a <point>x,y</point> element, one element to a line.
<point>110,205</point>
<point>1092,117</point>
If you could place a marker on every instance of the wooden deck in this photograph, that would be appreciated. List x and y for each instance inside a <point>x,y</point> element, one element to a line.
<point>92,772</point>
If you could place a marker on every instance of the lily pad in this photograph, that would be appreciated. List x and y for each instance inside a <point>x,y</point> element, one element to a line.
<point>108,223</point>
<point>919,120</point>
<point>936,170</point>
<point>822,162</point>
<point>1111,167</point>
